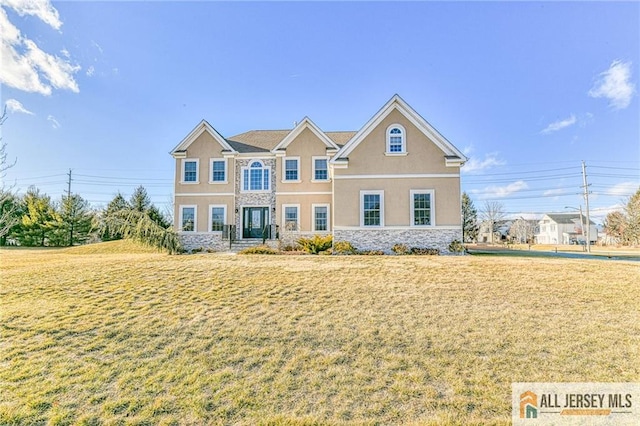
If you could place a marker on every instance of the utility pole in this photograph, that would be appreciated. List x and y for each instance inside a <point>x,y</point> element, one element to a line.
<point>71,208</point>
<point>585,186</point>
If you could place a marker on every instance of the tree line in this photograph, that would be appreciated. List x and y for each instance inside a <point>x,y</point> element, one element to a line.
<point>35,220</point>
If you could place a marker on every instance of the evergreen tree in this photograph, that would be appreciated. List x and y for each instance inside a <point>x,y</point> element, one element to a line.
<point>469,219</point>
<point>39,221</point>
<point>76,218</point>
<point>140,200</point>
<point>632,211</point>
<point>117,204</point>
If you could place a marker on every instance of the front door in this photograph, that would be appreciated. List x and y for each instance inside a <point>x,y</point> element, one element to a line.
<point>254,221</point>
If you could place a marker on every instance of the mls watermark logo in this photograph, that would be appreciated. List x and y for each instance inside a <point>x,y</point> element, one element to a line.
<point>575,403</point>
<point>528,405</point>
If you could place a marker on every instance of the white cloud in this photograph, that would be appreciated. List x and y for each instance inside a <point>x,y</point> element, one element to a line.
<point>623,189</point>
<point>24,65</point>
<point>500,191</point>
<point>90,71</point>
<point>615,85</point>
<point>54,123</point>
<point>560,124</point>
<point>553,192</point>
<point>14,105</point>
<point>39,8</point>
<point>474,165</point>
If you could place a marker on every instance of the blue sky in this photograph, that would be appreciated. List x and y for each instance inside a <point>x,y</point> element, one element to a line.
<point>527,90</point>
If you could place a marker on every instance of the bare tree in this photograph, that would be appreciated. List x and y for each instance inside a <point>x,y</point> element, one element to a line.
<point>8,206</point>
<point>522,230</point>
<point>493,213</point>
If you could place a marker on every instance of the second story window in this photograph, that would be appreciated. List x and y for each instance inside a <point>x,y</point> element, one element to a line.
<point>256,177</point>
<point>218,171</point>
<point>291,170</point>
<point>396,139</point>
<point>320,169</point>
<point>190,171</point>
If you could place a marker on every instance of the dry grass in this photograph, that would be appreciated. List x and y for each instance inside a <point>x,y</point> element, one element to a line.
<point>91,336</point>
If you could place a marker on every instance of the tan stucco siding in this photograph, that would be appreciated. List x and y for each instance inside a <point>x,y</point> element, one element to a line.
<point>305,211</point>
<point>397,200</point>
<point>204,148</point>
<point>423,155</point>
<point>306,146</point>
<point>202,209</point>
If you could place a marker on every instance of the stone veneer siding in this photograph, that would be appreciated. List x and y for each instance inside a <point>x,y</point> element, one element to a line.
<point>248,199</point>
<point>290,238</point>
<point>384,239</point>
<point>205,240</point>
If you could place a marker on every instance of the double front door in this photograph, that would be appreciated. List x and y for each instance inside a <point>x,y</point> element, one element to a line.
<point>254,221</point>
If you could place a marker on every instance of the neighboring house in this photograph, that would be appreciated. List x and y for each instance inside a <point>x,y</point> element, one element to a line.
<point>565,228</point>
<point>500,234</point>
<point>396,180</point>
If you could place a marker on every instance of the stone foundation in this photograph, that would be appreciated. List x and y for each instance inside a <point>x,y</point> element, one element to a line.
<point>196,240</point>
<point>384,239</point>
<point>290,238</point>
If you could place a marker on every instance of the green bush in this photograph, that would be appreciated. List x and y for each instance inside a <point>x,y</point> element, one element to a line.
<point>425,251</point>
<point>316,244</point>
<point>456,247</point>
<point>259,250</point>
<point>400,249</point>
<point>344,247</point>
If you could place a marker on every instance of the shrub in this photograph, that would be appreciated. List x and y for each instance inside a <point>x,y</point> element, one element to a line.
<point>316,244</point>
<point>425,251</point>
<point>456,247</point>
<point>291,247</point>
<point>344,247</point>
<point>259,250</point>
<point>371,252</point>
<point>400,249</point>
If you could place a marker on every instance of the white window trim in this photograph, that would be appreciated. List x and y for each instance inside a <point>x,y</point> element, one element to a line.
<point>195,216</point>
<point>313,216</point>
<point>367,192</point>
<point>211,207</point>
<point>284,170</point>
<point>247,167</point>
<point>284,217</point>
<point>183,167</point>
<point>226,174</point>
<point>404,140</point>
<point>313,168</point>
<point>432,193</point>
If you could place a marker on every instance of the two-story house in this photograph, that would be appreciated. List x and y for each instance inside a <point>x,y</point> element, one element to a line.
<point>565,228</point>
<point>396,180</point>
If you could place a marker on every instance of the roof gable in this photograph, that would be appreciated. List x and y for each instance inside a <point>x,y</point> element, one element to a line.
<point>306,123</point>
<point>452,154</point>
<point>567,218</point>
<point>202,127</point>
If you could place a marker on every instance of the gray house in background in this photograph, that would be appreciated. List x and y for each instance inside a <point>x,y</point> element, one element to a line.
<point>565,228</point>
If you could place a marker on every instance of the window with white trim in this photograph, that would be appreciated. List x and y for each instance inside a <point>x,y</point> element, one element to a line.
<point>291,217</point>
<point>372,208</point>
<point>256,176</point>
<point>190,170</point>
<point>188,218</point>
<point>291,171</point>
<point>218,171</point>
<point>320,217</point>
<point>217,218</point>
<point>396,139</point>
<point>422,208</point>
<point>320,168</point>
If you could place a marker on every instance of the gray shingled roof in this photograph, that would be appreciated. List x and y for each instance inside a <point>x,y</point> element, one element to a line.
<point>568,218</point>
<point>266,140</point>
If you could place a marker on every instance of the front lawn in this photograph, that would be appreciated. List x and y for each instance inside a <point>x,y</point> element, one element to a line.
<point>104,336</point>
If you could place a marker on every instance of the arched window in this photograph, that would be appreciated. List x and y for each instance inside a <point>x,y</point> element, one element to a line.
<point>255,177</point>
<point>396,139</point>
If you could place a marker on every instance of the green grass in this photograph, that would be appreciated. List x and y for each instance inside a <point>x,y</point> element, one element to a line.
<point>93,335</point>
